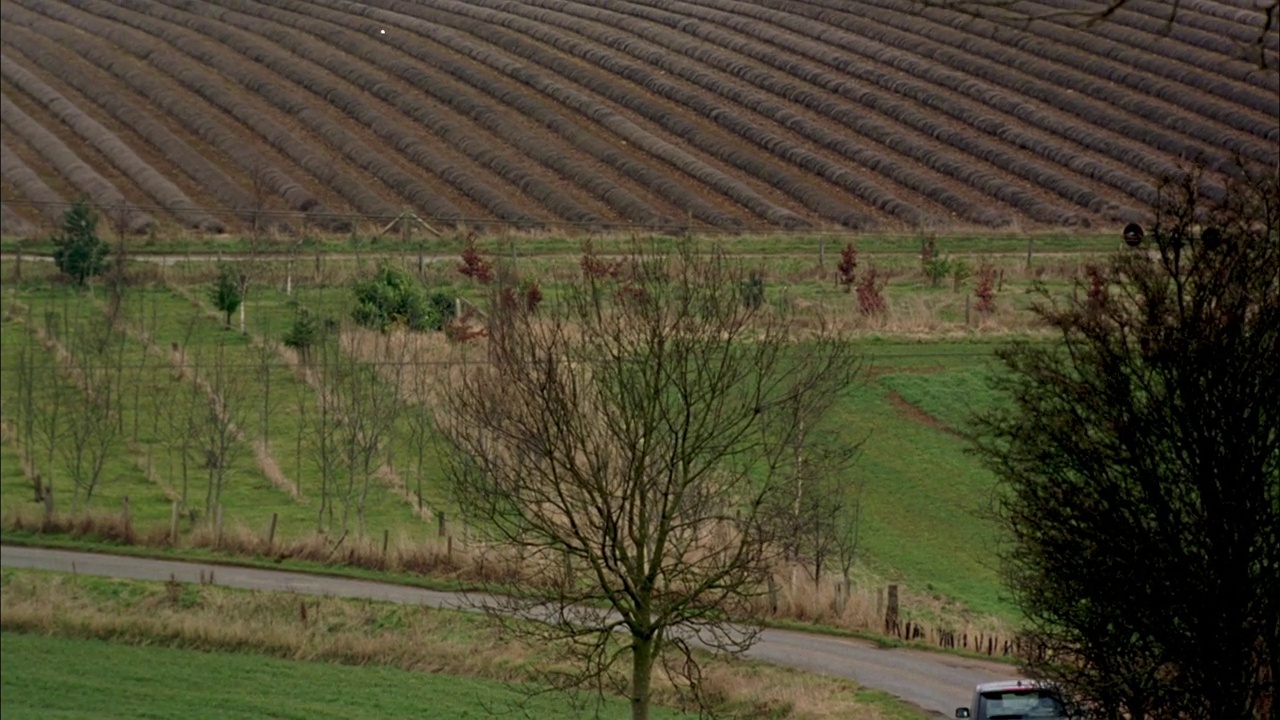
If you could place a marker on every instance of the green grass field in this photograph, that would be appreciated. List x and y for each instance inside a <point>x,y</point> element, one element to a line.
<point>55,677</point>
<point>923,521</point>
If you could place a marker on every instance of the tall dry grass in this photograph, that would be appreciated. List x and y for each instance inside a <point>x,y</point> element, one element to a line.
<point>309,628</point>
<point>858,606</point>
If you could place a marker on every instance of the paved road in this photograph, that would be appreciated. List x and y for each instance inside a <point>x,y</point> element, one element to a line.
<point>935,682</point>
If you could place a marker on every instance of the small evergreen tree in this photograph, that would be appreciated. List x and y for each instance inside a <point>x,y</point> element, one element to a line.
<point>307,330</point>
<point>225,293</point>
<point>78,251</point>
<point>752,289</point>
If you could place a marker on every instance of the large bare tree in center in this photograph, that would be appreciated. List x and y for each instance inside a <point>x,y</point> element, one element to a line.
<point>627,439</point>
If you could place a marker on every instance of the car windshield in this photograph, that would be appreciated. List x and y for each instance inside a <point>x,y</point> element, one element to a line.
<point>1028,704</point>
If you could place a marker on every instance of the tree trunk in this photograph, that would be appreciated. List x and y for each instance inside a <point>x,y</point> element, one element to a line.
<point>643,652</point>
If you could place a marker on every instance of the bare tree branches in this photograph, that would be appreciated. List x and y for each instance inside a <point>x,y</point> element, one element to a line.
<point>628,441</point>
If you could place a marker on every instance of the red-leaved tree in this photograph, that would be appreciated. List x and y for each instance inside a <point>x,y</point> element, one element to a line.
<point>596,268</point>
<point>986,289</point>
<point>474,265</point>
<point>848,267</point>
<point>871,292</point>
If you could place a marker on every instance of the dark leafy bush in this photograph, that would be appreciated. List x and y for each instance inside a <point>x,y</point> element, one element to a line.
<point>79,252</point>
<point>393,298</point>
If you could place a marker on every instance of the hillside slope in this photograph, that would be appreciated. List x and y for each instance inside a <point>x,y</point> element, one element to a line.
<point>715,114</point>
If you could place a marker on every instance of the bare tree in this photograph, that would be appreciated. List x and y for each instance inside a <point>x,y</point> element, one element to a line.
<point>28,409</point>
<point>183,410</point>
<point>625,441</point>
<point>367,407</point>
<point>818,516</point>
<point>323,427</point>
<point>421,423</point>
<point>93,428</point>
<point>50,412</point>
<point>224,394</point>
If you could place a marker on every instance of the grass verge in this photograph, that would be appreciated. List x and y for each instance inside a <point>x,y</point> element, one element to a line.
<point>181,617</point>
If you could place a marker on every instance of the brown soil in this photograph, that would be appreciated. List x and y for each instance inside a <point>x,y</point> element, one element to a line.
<point>915,414</point>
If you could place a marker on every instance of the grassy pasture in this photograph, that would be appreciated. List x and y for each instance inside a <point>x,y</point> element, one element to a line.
<point>922,522</point>
<point>71,678</point>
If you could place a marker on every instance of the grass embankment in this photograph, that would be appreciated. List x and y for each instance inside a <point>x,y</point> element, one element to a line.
<point>68,678</point>
<point>923,494</point>
<point>925,498</point>
<point>766,243</point>
<point>317,657</point>
<point>922,510</point>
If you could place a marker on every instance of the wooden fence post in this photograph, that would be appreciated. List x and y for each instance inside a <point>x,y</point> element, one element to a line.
<point>217,520</point>
<point>442,531</point>
<point>891,626</point>
<point>173,524</point>
<point>271,532</point>
<point>386,537</point>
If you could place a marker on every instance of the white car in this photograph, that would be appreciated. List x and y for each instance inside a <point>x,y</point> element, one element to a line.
<point>1014,700</point>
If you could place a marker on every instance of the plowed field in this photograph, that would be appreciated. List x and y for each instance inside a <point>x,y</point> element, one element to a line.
<point>889,115</point>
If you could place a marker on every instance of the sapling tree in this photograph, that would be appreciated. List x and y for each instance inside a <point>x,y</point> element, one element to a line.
<point>816,518</point>
<point>226,293</point>
<point>847,269</point>
<point>78,251</point>
<point>985,289</point>
<point>474,264</point>
<point>871,300</point>
<point>933,264</point>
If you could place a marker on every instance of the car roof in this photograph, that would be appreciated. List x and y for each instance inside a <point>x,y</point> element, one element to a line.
<point>1008,685</point>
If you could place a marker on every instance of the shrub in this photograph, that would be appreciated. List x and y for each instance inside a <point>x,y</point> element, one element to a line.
<point>393,298</point>
<point>474,265</point>
<point>871,292</point>
<point>847,269</point>
<point>986,289</point>
<point>752,290</point>
<point>307,331</point>
<point>594,268</point>
<point>934,265</point>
